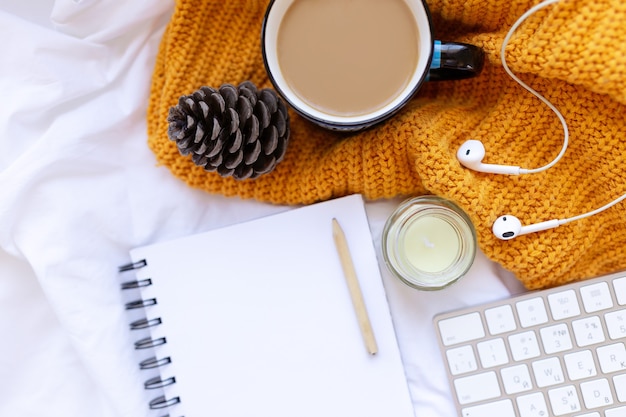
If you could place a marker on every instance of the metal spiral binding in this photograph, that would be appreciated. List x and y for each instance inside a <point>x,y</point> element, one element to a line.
<point>130,285</point>
<point>141,303</point>
<point>154,362</point>
<point>145,323</point>
<point>157,382</point>
<point>162,402</point>
<point>133,265</point>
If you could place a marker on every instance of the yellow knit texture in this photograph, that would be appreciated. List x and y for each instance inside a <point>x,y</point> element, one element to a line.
<point>574,53</point>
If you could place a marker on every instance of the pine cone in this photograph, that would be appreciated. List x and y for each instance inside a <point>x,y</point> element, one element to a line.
<point>237,131</point>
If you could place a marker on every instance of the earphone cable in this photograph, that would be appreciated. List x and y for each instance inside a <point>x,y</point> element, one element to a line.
<point>507,38</point>
<point>552,107</point>
<point>594,212</point>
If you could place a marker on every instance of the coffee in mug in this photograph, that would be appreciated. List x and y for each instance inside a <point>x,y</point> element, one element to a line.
<point>347,58</point>
<point>349,64</point>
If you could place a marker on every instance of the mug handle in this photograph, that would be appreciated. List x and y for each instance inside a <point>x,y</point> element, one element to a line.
<point>455,61</point>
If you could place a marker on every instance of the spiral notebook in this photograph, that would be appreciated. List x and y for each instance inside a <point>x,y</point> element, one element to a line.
<point>255,319</point>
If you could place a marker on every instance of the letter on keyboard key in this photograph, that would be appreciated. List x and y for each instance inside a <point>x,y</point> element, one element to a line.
<point>461,329</point>
<point>502,408</point>
<point>612,358</point>
<point>596,393</point>
<point>516,379</point>
<point>580,365</point>
<point>474,388</point>
<point>532,405</point>
<point>548,372</point>
<point>564,400</point>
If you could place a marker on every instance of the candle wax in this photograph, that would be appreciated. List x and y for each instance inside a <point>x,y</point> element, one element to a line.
<point>431,244</point>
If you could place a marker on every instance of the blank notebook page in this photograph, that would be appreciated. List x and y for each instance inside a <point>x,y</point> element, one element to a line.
<point>259,321</point>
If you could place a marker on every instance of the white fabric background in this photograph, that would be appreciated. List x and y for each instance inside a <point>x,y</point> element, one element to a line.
<point>79,187</point>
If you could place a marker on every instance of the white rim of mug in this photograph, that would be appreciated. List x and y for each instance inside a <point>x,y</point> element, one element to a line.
<point>269,34</point>
<point>409,211</point>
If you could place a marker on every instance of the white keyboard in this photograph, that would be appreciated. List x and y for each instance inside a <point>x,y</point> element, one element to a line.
<point>555,352</point>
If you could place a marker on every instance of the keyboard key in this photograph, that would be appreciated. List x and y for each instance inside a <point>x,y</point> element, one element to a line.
<point>500,319</point>
<point>594,414</point>
<point>502,408</point>
<point>619,382</point>
<point>548,372</point>
<point>616,324</point>
<point>588,331</point>
<point>615,412</point>
<point>492,353</point>
<point>596,297</point>
<point>471,389</point>
<point>580,365</point>
<point>461,360</point>
<point>555,338</point>
<point>531,312</point>
<point>563,304</point>
<point>532,405</point>
<point>596,393</point>
<point>461,329</point>
<point>524,346</point>
<point>564,400</point>
<point>619,285</point>
<point>516,379</point>
<point>612,358</point>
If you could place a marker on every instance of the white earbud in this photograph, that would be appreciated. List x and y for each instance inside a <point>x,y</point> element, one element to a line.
<point>471,155</point>
<point>507,227</point>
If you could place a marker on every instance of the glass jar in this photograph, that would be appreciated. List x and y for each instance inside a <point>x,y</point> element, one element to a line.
<point>428,242</point>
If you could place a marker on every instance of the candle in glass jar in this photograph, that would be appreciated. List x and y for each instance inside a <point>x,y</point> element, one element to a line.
<point>431,244</point>
<point>428,242</point>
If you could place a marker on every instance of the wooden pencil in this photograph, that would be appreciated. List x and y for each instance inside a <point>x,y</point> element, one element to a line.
<point>354,288</point>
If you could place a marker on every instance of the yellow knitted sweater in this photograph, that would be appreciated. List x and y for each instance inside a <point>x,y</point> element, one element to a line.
<point>574,53</point>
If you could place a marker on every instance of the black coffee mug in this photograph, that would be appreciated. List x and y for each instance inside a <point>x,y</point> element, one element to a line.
<point>435,60</point>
